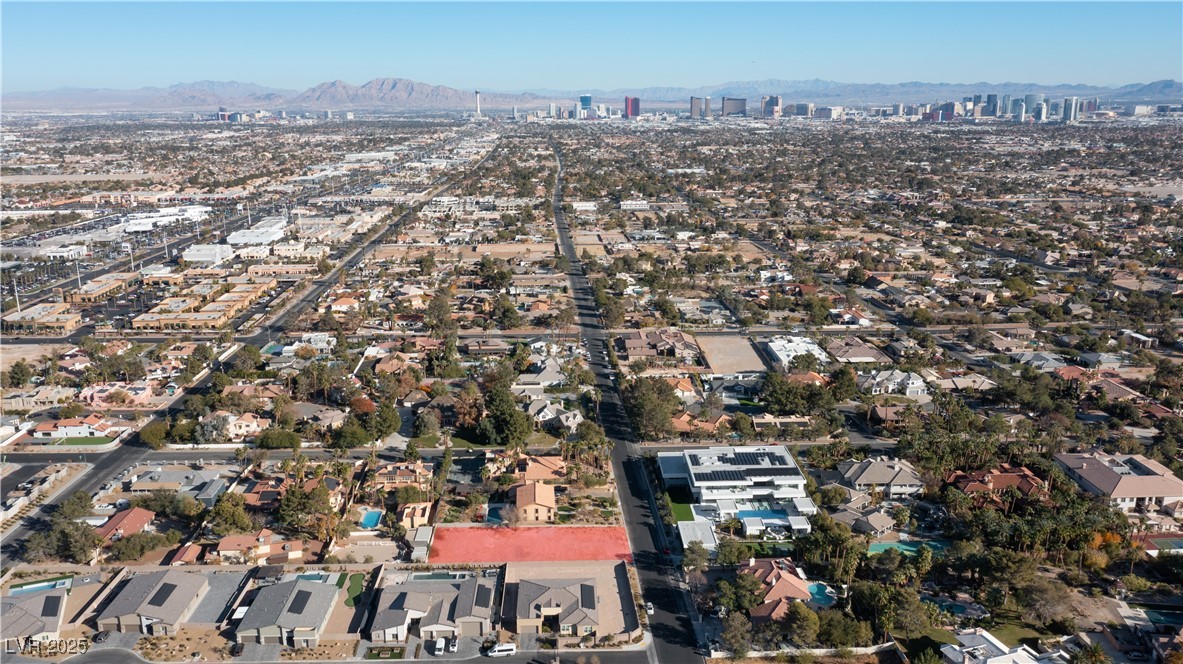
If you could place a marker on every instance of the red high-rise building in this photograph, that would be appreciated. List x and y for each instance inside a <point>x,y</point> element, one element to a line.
<point>632,107</point>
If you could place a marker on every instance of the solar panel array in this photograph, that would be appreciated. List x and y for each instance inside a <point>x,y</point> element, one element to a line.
<point>300,602</point>
<point>162,595</point>
<point>51,605</point>
<point>587,595</point>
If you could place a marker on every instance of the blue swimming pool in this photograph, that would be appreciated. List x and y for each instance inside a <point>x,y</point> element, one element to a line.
<point>319,577</point>
<point>1165,617</point>
<point>37,587</point>
<point>762,514</point>
<point>821,594</point>
<point>371,519</point>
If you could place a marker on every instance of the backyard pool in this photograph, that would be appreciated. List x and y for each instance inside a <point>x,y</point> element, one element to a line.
<point>762,514</point>
<point>319,577</point>
<point>822,594</point>
<point>439,576</point>
<point>910,547</point>
<point>371,519</point>
<point>1164,617</point>
<point>36,586</point>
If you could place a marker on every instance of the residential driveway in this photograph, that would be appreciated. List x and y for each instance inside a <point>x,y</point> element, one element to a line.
<point>254,652</point>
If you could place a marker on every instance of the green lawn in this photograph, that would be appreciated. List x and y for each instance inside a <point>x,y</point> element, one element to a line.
<point>355,587</point>
<point>1011,629</point>
<point>541,439</point>
<point>85,440</point>
<point>341,578</point>
<point>681,499</point>
<point>930,639</point>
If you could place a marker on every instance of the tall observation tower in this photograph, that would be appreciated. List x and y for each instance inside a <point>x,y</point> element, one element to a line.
<point>478,103</point>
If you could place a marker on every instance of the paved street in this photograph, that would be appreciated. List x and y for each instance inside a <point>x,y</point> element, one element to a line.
<point>673,636</point>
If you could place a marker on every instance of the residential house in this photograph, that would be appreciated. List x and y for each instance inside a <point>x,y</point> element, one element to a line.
<point>782,584</point>
<point>292,613</point>
<point>996,482</point>
<point>126,523</point>
<point>461,606</point>
<point>978,646</point>
<point>158,603</point>
<point>893,478</point>
<point>850,350</point>
<point>36,616</point>
<point>391,476</point>
<point>414,515</point>
<point>893,381</point>
<point>253,549</point>
<point>664,342</point>
<point>1130,481</point>
<point>533,502</point>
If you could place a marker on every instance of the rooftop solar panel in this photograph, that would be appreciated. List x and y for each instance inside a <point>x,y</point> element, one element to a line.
<point>162,595</point>
<point>484,596</point>
<point>51,606</point>
<point>587,595</point>
<point>300,602</point>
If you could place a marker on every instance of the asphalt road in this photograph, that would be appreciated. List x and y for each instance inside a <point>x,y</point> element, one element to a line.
<point>121,656</point>
<point>673,635</point>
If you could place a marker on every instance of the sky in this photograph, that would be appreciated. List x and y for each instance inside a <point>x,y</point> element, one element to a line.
<point>571,46</point>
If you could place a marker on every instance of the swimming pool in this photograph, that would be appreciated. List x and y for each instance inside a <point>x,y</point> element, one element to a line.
<point>371,519</point>
<point>911,547</point>
<point>822,595</point>
<point>439,576</point>
<point>762,514</point>
<point>1164,617</point>
<point>37,586</point>
<point>319,577</point>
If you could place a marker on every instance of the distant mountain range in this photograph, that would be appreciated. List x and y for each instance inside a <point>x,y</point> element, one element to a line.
<point>394,94</point>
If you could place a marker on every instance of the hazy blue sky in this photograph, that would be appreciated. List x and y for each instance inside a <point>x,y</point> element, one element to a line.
<point>571,46</point>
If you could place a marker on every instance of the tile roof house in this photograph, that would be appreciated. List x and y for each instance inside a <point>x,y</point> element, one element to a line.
<point>893,478</point>
<point>390,476</point>
<point>1130,481</point>
<point>782,585</point>
<point>156,603</point>
<point>996,481</point>
<point>854,351</point>
<point>91,426</point>
<point>257,548</point>
<point>460,606</point>
<point>125,523</point>
<point>533,501</point>
<point>665,342</point>
<point>292,613</point>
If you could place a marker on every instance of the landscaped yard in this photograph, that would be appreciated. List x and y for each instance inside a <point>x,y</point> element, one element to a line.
<point>385,653</point>
<point>1011,629</point>
<point>931,639</point>
<point>356,583</point>
<point>85,440</point>
<point>680,499</point>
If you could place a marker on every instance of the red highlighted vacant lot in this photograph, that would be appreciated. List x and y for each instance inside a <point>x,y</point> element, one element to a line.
<point>497,544</point>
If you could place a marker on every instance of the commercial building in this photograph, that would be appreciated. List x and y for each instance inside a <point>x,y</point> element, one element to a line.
<point>1071,110</point>
<point>267,231</point>
<point>585,103</point>
<point>770,107</point>
<point>292,613</point>
<point>632,107</point>
<point>156,603</point>
<point>461,605</point>
<point>207,254</point>
<point>732,107</point>
<point>696,107</point>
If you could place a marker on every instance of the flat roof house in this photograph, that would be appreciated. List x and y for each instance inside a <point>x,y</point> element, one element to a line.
<point>1131,481</point>
<point>292,613</point>
<point>761,482</point>
<point>156,603</point>
<point>460,606</point>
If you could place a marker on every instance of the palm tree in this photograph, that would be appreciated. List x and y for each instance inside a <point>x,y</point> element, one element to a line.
<point>1093,653</point>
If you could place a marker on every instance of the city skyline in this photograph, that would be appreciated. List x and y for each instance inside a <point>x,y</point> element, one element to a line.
<point>510,47</point>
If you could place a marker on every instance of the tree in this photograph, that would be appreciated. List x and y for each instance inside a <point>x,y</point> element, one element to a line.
<point>350,435</point>
<point>426,424</point>
<point>275,439</point>
<point>651,403</point>
<point>731,551</point>
<point>1093,653</point>
<point>229,516</point>
<point>695,557</point>
<point>71,410</point>
<point>801,623</point>
<point>743,595</point>
<point>19,374</point>
<point>212,431</point>
<point>153,434</point>
<point>737,634</point>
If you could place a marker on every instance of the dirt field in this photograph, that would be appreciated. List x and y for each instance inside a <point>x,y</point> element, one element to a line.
<point>30,353</point>
<point>328,651</point>
<point>495,544</point>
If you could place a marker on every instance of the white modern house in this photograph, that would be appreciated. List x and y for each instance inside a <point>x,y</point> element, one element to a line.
<point>760,485</point>
<point>783,350</point>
